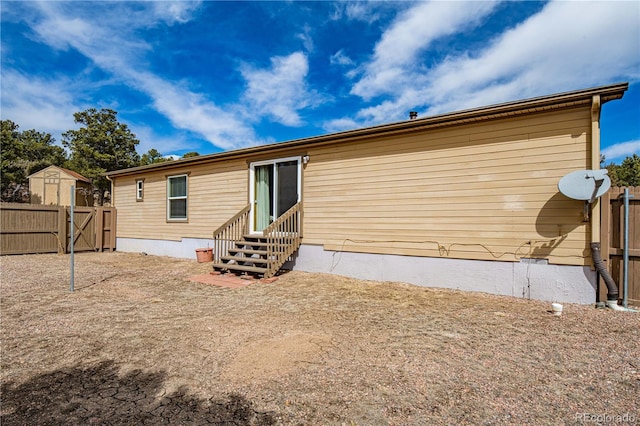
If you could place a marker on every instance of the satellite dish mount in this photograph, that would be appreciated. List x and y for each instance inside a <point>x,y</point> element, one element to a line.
<point>586,185</point>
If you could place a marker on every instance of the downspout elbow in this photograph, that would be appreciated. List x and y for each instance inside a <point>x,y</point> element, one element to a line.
<point>612,288</point>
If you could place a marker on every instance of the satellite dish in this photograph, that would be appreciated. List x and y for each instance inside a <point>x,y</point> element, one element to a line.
<point>585,185</point>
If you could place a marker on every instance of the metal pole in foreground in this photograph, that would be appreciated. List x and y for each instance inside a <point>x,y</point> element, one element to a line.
<point>625,261</point>
<point>72,234</point>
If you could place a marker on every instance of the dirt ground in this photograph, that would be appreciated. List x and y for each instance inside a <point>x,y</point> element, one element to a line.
<point>136,343</point>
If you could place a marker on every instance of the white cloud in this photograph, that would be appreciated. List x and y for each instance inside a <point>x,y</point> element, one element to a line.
<point>340,58</point>
<point>164,144</point>
<point>409,35</point>
<point>280,91</point>
<point>307,40</point>
<point>340,124</point>
<point>361,11</point>
<point>621,150</point>
<point>551,51</point>
<point>191,111</point>
<point>46,105</point>
<point>357,11</point>
<point>565,46</point>
<point>175,11</point>
<point>108,40</point>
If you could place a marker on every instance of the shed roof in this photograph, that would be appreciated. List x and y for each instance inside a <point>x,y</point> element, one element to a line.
<point>507,109</point>
<point>75,175</point>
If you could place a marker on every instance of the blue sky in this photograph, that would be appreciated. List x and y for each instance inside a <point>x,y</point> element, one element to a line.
<point>211,76</point>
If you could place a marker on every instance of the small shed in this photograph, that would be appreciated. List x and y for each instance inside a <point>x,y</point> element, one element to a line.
<point>52,186</point>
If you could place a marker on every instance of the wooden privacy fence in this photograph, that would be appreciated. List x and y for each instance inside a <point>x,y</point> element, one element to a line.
<point>612,240</point>
<point>31,228</point>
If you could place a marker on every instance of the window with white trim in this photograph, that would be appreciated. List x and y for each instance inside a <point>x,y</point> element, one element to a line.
<point>139,189</point>
<point>177,198</point>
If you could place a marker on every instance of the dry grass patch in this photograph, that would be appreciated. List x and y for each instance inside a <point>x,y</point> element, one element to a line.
<point>138,344</point>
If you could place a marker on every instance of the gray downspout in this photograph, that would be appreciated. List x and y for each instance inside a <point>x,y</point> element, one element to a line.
<point>612,288</point>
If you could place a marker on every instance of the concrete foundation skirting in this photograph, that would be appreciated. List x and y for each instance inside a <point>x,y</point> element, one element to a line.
<point>555,283</point>
<point>184,249</point>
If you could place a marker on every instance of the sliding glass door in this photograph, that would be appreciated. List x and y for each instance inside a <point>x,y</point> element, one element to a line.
<point>275,187</point>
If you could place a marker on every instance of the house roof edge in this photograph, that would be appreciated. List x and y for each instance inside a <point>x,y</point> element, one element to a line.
<point>512,108</point>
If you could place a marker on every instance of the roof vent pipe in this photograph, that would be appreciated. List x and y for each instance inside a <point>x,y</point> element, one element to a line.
<point>413,115</point>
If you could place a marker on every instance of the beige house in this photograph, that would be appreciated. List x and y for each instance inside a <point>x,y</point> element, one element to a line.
<point>52,185</point>
<point>465,200</point>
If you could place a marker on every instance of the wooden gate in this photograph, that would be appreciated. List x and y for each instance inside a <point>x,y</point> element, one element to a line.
<point>83,227</point>
<point>30,228</point>
<point>612,240</point>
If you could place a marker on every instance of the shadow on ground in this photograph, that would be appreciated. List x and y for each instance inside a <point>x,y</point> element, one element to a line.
<point>100,395</point>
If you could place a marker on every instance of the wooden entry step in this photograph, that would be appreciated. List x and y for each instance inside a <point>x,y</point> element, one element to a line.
<point>238,251</point>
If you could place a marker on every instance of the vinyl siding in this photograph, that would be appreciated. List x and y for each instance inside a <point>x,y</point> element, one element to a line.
<point>486,190</point>
<point>215,193</point>
<point>478,191</point>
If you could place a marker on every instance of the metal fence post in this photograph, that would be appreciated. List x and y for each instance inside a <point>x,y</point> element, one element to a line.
<point>72,236</point>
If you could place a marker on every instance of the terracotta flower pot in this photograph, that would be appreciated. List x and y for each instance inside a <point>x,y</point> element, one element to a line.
<point>204,255</point>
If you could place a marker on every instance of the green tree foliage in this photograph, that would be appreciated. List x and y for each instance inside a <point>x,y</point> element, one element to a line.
<point>191,154</point>
<point>152,157</point>
<point>102,144</point>
<point>24,153</point>
<point>627,173</point>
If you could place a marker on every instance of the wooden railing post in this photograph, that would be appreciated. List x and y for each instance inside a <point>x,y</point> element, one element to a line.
<point>231,231</point>
<point>283,239</point>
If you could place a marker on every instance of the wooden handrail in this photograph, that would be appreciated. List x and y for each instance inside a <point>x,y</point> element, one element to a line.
<point>242,212</point>
<point>231,231</point>
<point>284,237</point>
